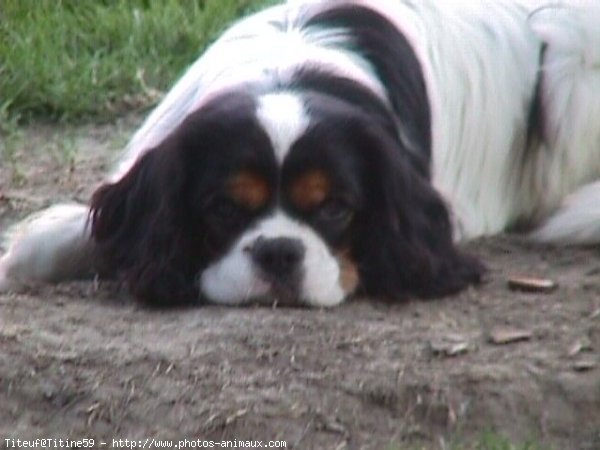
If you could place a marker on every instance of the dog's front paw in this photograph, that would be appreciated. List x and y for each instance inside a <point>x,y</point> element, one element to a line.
<point>6,282</point>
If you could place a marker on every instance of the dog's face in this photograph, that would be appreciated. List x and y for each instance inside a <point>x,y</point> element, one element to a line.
<point>274,206</point>
<point>298,198</point>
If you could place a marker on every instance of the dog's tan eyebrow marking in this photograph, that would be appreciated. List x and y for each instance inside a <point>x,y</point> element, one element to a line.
<point>310,189</point>
<point>248,189</point>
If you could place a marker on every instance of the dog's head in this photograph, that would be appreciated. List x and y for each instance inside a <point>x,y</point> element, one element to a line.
<point>297,196</point>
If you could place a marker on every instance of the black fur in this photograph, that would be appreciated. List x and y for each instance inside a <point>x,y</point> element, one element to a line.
<point>535,119</point>
<point>394,61</point>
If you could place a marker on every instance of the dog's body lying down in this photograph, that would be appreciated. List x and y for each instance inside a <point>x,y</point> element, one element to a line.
<point>324,147</point>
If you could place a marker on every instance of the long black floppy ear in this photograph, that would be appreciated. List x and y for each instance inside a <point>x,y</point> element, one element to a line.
<point>139,231</point>
<point>406,246</point>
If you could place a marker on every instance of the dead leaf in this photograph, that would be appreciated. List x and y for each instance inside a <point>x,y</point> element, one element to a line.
<point>584,365</point>
<point>451,345</point>
<point>508,335</point>
<point>531,284</point>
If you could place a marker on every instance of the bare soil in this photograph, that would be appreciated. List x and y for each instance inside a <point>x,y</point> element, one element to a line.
<point>82,360</point>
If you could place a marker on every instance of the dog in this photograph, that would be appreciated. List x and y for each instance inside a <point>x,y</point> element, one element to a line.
<point>328,147</point>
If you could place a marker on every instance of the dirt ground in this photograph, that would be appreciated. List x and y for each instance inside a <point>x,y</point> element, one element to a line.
<point>82,360</point>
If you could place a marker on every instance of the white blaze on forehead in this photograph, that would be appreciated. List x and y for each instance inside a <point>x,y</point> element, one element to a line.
<point>234,279</point>
<point>284,118</point>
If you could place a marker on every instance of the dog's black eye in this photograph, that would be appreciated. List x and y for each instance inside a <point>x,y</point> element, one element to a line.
<point>335,210</point>
<point>226,211</point>
<point>225,214</point>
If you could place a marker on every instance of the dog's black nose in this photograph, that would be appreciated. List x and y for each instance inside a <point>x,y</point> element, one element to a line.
<point>278,257</point>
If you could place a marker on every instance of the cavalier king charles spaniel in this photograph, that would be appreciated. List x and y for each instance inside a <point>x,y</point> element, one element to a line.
<point>322,148</point>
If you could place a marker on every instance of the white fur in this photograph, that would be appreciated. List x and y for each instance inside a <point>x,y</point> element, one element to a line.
<point>283,117</point>
<point>234,279</point>
<point>571,92</point>
<point>577,221</point>
<point>480,59</point>
<point>51,245</point>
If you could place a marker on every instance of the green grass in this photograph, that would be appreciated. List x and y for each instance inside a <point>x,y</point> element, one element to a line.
<point>493,441</point>
<point>485,441</point>
<point>79,60</point>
